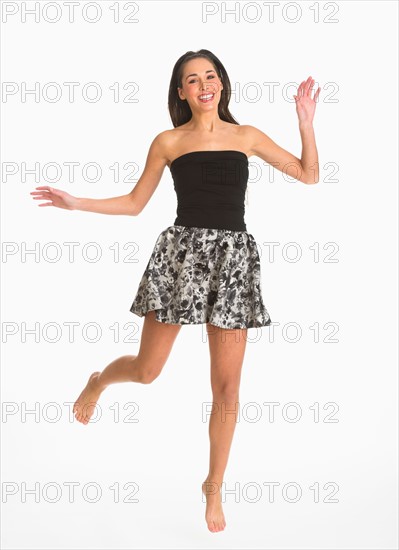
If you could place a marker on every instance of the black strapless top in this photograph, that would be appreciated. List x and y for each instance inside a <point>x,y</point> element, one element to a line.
<point>210,188</point>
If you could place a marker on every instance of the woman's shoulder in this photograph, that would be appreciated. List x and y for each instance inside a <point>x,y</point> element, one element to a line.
<point>170,139</point>
<point>167,136</point>
<point>167,142</point>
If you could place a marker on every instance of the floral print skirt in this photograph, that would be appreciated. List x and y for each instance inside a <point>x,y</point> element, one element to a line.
<point>201,275</point>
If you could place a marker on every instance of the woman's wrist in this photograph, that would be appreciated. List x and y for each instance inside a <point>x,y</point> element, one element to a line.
<point>304,125</point>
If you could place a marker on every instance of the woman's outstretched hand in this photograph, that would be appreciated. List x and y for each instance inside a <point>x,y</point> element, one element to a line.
<point>305,105</point>
<point>58,198</point>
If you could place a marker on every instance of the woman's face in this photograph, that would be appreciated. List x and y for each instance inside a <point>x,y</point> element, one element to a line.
<point>201,85</point>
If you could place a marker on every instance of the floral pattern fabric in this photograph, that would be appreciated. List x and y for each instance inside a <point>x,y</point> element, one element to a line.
<point>200,275</point>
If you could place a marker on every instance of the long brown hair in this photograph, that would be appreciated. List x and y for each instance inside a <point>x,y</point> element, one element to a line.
<point>179,109</point>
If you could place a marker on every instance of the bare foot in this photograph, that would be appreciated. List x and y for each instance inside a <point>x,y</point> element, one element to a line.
<point>85,404</point>
<point>214,512</point>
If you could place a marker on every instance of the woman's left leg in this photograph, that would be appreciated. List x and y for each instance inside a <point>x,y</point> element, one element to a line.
<point>227,350</point>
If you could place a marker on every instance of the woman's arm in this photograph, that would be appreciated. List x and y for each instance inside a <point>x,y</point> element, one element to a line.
<point>305,169</point>
<point>122,205</point>
<point>130,204</point>
<point>309,157</point>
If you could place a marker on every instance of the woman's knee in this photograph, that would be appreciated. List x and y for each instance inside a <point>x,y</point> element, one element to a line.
<point>146,369</point>
<point>146,376</point>
<point>228,391</point>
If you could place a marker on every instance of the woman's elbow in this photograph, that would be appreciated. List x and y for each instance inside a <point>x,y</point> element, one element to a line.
<point>134,208</point>
<point>311,181</point>
<point>134,211</point>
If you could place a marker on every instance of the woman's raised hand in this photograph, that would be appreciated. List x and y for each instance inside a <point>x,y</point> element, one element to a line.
<point>58,198</point>
<point>305,104</point>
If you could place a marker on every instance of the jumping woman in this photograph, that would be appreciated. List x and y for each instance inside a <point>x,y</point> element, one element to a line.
<point>205,268</point>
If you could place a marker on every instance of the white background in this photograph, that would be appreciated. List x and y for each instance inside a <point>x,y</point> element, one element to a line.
<point>350,216</point>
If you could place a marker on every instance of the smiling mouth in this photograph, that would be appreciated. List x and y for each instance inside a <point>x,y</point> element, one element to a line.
<point>206,98</point>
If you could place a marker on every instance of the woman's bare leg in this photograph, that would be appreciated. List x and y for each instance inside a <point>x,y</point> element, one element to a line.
<point>227,350</point>
<point>155,345</point>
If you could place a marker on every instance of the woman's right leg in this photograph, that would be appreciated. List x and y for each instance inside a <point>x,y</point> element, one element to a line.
<point>156,342</point>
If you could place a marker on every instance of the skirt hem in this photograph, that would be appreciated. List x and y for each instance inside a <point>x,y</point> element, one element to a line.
<point>182,322</point>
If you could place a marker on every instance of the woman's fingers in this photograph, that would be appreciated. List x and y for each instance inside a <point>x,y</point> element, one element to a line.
<point>44,188</point>
<point>42,197</point>
<point>305,89</point>
<point>309,85</point>
<point>302,90</point>
<point>45,193</point>
<point>48,189</point>
<point>57,197</point>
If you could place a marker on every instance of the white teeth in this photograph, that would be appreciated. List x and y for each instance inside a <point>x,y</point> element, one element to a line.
<point>206,96</point>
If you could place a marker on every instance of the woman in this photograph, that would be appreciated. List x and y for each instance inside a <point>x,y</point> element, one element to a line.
<point>205,268</point>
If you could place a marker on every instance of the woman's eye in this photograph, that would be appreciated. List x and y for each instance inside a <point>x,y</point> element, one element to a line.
<point>210,76</point>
